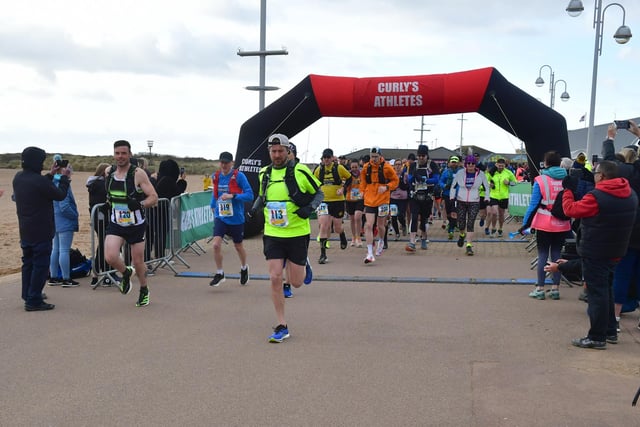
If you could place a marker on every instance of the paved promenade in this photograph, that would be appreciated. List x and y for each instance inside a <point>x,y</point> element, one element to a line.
<point>381,350</point>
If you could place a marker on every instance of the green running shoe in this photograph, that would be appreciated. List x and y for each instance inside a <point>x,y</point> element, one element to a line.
<point>143,299</point>
<point>125,284</point>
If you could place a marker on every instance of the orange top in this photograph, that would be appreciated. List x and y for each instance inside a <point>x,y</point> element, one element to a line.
<point>372,197</point>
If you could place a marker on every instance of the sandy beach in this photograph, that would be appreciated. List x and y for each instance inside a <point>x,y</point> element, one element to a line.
<point>9,237</point>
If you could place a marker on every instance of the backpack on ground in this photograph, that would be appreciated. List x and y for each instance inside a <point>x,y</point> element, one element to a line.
<point>80,266</point>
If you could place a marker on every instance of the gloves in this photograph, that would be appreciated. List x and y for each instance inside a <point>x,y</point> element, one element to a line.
<point>570,183</point>
<point>304,212</point>
<point>134,205</point>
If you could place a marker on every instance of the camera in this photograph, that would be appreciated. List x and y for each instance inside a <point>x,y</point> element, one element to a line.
<point>621,124</point>
<point>62,163</point>
<point>181,171</point>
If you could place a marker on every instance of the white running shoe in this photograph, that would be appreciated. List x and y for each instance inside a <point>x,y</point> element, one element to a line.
<point>369,259</point>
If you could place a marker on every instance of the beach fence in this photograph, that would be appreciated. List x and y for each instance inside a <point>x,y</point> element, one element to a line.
<point>173,227</point>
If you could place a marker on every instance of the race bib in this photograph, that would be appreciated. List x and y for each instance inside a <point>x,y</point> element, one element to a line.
<point>421,186</point>
<point>122,214</point>
<point>277,212</point>
<point>323,209</point>
<point>394,209</point>
<point>383,210</point>
<point>355,194</point>
<point>225,208</point>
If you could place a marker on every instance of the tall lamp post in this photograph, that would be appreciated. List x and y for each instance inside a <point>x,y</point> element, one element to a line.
<point>621,36</point>
<point>150,145</point>
<point>552,86</point>
<point>262,53</point>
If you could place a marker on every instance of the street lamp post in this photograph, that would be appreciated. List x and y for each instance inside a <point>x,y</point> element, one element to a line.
<point>552,86</point>
<point>621,36</point>
<point>150,145</point>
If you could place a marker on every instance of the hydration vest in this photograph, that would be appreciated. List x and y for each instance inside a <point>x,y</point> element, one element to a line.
<point>234,188</point>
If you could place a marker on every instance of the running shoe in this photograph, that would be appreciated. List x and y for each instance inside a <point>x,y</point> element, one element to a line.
<point>217,279</point>
<point>460,241</point>
<point>411,247</point>
<point>537,294</point>
<point>280,333</point>
<point>143,299</point>
<point>125,284</point>
<point>499,233</point>
<point>343,241</point>
<point>423,243</point>
<point>69,283</point>
<point>308,273</point>
<point>493,233</point>
<point>612,339</point>
<point>450,236</point>
<point>323,259</point>
<point>486,231</point>
<point>554,294</point>
<point>359,243</point>
<point>469,250</point>
<point>481,222</point>
<point>379,247</point>
<point>244,276</point>
<point>286,290</point>
<point>369,259</point>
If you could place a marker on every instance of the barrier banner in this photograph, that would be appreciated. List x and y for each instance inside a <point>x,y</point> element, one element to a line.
<point>519,198</point>
<point>196,217</point>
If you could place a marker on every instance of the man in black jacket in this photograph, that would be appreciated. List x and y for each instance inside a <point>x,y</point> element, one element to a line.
<point>34,195</point>
<point>607,214</point>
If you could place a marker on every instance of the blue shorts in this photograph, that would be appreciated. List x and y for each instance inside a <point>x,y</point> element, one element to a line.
<point>220,229</point>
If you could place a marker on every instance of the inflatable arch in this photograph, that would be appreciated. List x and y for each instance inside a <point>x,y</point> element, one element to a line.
<point>484,91</point>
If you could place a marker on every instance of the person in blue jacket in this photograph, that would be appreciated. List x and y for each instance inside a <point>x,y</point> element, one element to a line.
<point>66,220</point>
<point>231,190</point>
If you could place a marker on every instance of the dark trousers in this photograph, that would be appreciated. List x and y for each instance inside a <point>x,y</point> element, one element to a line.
<point>35,268</point>
<point>598,275</point>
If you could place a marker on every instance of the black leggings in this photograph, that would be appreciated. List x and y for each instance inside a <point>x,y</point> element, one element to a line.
<point>423,209</point>
<point>467,213</point>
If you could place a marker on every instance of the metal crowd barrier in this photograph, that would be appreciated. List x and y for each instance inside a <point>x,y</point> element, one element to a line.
<point>159,236</point>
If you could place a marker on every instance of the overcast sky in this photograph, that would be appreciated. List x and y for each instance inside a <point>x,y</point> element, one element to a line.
<point>77,75</point>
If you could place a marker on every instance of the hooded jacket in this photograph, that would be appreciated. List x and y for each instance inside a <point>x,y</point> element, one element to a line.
<point>608,213</point>
<point>34,195</point>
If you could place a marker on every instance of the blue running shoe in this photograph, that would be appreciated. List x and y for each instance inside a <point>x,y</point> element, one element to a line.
<point>481,222</point>
<point>308,273</point>
<point>286,290</point>
<point>280,333</point>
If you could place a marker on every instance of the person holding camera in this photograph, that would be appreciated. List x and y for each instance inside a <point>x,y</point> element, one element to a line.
<point>289,193</point>
<point>129,193</point>
<point>34,195</point>
<point>608,214</point>
<point>66,224</point>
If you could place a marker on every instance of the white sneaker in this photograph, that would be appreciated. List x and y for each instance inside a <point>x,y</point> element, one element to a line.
<point>369,259</point>
<point>379,247</point>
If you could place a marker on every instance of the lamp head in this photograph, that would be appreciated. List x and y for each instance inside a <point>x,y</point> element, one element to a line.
<point>575,8</point>
<point>622,35</point>
<point>565,96</point>
<point>539,81</point>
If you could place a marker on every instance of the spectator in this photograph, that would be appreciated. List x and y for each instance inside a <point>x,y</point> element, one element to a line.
<point>97,189</point>
<point>34,194</point>
<point>66,223</point>
<point>550,231</point>
<point>608,214</point>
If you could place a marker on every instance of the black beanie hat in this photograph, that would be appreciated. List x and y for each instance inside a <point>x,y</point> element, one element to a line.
<point>423,149</point>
